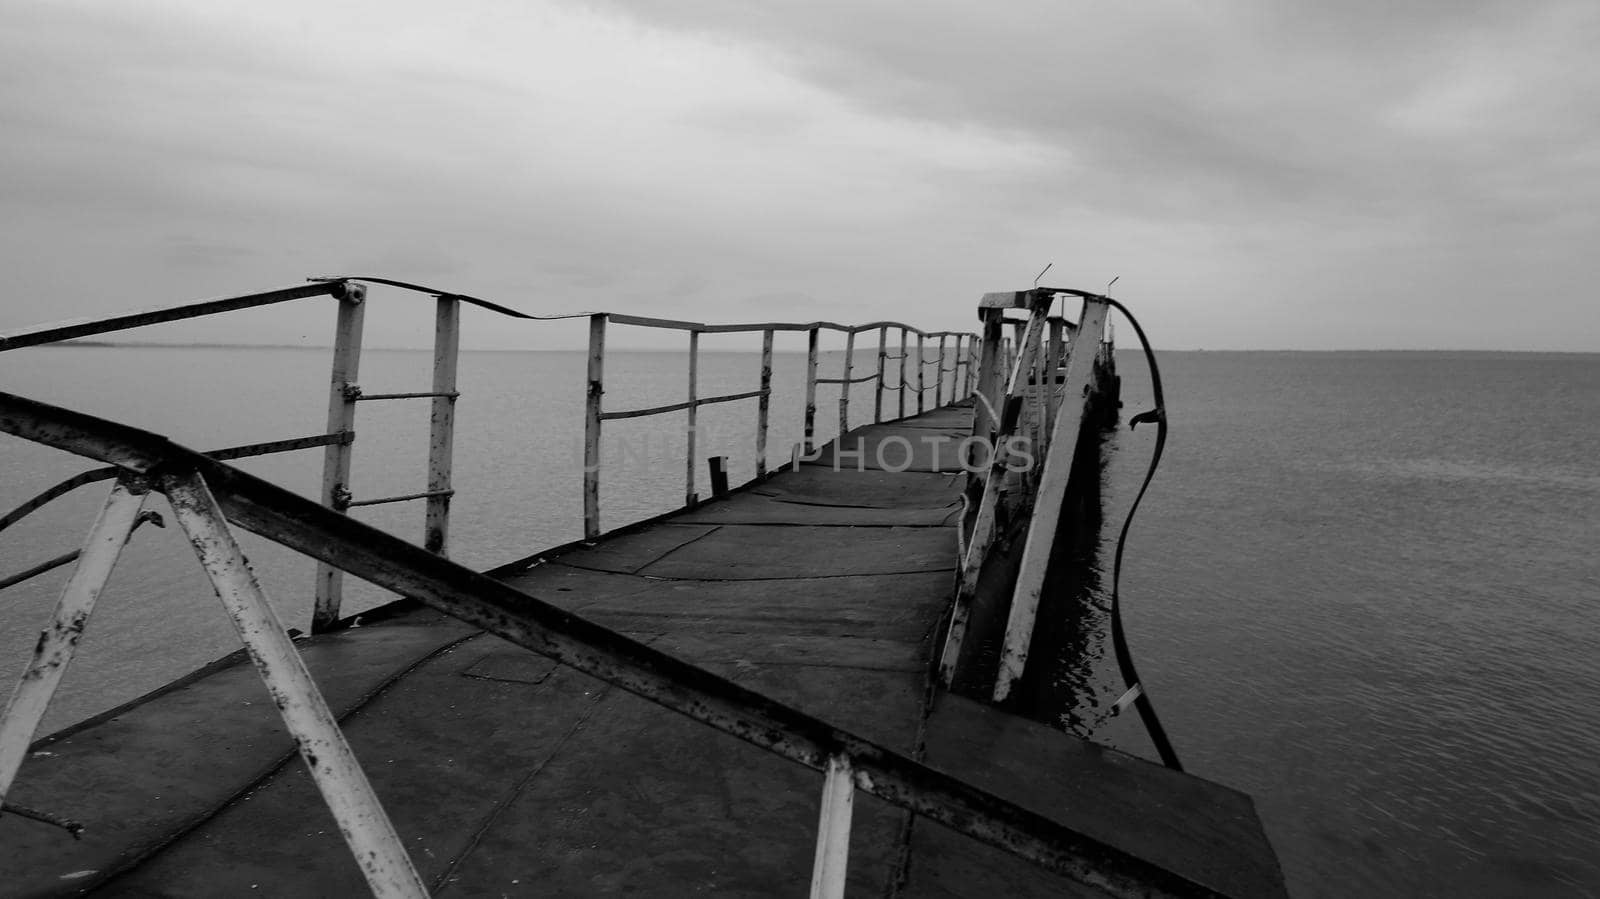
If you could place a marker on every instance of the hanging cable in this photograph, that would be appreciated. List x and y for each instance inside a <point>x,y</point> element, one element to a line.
<point>1136,695</point>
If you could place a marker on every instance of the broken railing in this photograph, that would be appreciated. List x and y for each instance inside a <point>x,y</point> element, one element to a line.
<point>954,348</point>
<point>1032,396</point>
<point>209,497</point>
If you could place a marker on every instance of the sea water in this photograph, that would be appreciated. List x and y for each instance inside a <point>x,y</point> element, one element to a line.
<point>1363,587</point>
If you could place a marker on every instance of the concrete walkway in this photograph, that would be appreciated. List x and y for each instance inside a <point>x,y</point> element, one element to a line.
<point>509,775</point>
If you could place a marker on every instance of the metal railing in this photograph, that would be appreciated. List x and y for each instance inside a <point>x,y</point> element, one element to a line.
<point>1036,405</point>
<point>595,414</point>
<point>208,497</point>
<point>1032,385</point>
<point>343,394</point>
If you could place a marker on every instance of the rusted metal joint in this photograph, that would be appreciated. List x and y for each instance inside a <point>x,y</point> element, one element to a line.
<point>341,497</point>
<point>350,292</point>
<point>350,392</point>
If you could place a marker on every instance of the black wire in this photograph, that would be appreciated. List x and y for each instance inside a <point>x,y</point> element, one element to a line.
<point>1119,640</point>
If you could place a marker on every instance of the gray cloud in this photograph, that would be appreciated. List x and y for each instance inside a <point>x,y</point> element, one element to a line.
<point>1259,173</point>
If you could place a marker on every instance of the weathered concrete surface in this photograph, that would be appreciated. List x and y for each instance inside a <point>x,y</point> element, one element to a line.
<point>509,775</point>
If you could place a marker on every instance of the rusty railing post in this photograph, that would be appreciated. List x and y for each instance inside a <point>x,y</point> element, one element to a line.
<point>905,359</point>
<point>692,419</point>
<point>442,425</point>
<point>591,426</point>
<point>764,402</point>
<point>938,386</point>
<point>990,359</point>
<point>922,372</point>
<point>58,642</point>
<point>974,359</point>
<point>811,391</point>
<point>342,392</point>
<point>1052,374</point>
<point>844,388</point>
<point>832,857</point>
<point>362,820</point>
<point>883,361</point>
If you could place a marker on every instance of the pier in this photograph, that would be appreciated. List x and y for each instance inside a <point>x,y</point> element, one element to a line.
<point>647,710</point>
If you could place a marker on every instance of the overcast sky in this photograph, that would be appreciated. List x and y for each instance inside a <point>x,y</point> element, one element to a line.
<point>1260,175</point>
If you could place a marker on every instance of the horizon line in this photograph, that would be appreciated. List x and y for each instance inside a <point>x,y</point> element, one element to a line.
<point>199,345</point>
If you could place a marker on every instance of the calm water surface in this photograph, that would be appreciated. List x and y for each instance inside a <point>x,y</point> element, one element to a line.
<point>1362,589</point>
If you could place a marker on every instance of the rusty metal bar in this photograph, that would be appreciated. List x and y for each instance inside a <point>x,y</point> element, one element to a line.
<point>362,820</point>
<point>88,327</point>
<point>64,558</point>
<point>59,641</point>
<point>938,387</point>
<point>592,417</point>
<point>832,858</point>
<point>763,408</point>
<point>405,497</point>
<point>883,360</point>
<point>844,382</point>
<point>446,295</point>
<point>342,390</point>
<point>811,391</point>
<point>985,416</point>
<point>1049,498</point>
<point>95,475</point>
<point>678,407</point>
<point>922,373</point>
<point>851,381</point>
<point>369,397</point>
<point>904,381</point>
<point>691,431</point>
<point>391,563</point>
<point>442,425</point>
<point>1057,357</point>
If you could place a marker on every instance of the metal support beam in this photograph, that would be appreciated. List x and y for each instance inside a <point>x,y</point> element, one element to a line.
<point>591,426</point>
<point>343,388</point>
<point>442,425</point>
<point>844,387</point>
<point>922,374</point>
<point>764,404</point>
<point>691,428</point>
<point>883,364</point>
<point>362,820</point>
<point>905,359</point>
<point>832,858</point>
<point>811,391</point>
<point>59,641</point>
